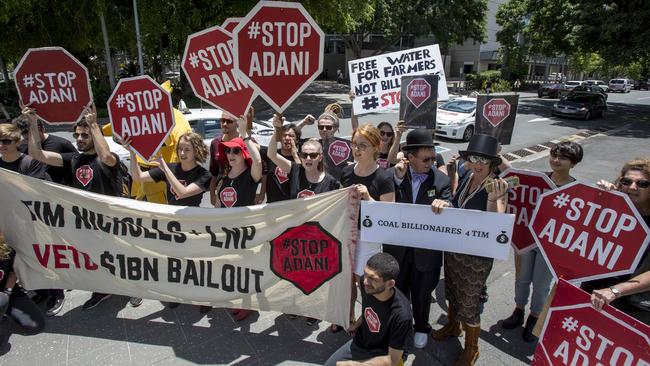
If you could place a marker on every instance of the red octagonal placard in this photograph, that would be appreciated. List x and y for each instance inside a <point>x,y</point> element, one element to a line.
<point>339,151</point>
<point>307,256</point>
<point>587,233</point>
<point>208,64</point>
<point>54,83</point>
<point>230,23</point>
<point>496,110</point>
<point>418,91</point>
<point>278,51</point>
<point>141,109</point>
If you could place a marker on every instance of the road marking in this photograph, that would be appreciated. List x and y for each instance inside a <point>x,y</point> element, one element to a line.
<point>539,119</point>
<point>643,98</point>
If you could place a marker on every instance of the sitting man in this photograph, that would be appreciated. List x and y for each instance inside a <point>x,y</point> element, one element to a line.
<point>385,329</point>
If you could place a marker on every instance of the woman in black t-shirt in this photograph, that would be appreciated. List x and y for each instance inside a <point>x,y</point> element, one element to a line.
<point>187,180</point>
<point>387,135</point>
<point>18,313</point>
<point>276,180</point>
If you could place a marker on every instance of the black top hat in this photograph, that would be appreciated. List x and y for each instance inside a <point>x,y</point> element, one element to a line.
<point>418,138</point>
<point>482,145</point>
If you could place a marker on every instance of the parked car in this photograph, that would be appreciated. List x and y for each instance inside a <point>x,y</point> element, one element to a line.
<point>552,90</point>
<point>568,85</point>
<point>581,105</point>
<point>601,84</point>
<point>584,88</point>
<point>622,85</point>
<point>641,85</point>
<point>455,118</point>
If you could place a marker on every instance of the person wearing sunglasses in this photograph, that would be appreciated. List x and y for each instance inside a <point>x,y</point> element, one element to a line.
<point>466,275</point>
<point>416,182</point>
<point>531,269</point>
<point>633,180</point>
<point>372,184</point>
<point>12,159</point>
<point>276,180</point>
<point>92,169</point>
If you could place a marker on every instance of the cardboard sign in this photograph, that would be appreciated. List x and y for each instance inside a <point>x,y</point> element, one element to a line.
<point>55,83</point>
<point>419,101</point>
<point>208,64</point>
<point>574,333</point>
<point>521,203</point>
<point>376,81</point>
<point>141,109</point>
<point>495,116</point>
<point>587,233</point>
<point>279,51</point>
<point>454,230</point>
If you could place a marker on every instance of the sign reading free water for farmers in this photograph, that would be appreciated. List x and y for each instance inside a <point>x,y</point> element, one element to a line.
<point>376,81</point>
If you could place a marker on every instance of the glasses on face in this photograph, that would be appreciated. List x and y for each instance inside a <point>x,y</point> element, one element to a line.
<point>385,133</point>
<point>360,146</point>
<point>6,141</point>
<point>82,135</point>
<point>641,183</point>
<point>233,150</point>
<point>325,127</point>
<point>478,159</point>
<point>226,121</point>
<point>312,156</point>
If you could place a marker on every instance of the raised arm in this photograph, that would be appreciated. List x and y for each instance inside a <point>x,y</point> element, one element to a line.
<point>308,120</point>
<point>34,141</point>
<point>272,151</point>
<point>354,119</point>
<point>394,148</point>
<point>136,173</point>
<point>101,147</point>
<point>253,150</point>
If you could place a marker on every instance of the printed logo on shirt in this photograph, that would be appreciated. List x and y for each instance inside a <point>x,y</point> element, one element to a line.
<point>339,152</point>
<point>84,174</point>
<point>306,193</point>
<point>228,197</point>
<point>171,188</point>
<point>372,319</point>
<point>383,163</point>
<point>281,175</point>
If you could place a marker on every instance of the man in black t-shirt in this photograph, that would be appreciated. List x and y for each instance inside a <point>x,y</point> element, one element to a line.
<point>14,160</point>
<point>385,328</point>
<point>93,169</point>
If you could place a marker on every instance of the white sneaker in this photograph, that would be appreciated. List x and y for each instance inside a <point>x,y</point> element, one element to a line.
<point>420,340</point>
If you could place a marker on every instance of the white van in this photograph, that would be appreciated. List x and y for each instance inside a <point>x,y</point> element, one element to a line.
<point>622,85</point>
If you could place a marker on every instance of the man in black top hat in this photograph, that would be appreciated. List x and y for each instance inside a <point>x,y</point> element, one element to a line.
<point>417,181</point>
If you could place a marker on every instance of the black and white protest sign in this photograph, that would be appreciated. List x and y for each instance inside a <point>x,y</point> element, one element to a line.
<point>495,116</point>
<point>419,101</point>
<point>376,81</point>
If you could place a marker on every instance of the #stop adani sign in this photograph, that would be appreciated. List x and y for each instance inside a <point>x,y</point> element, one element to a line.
<point>278,51</point>
<point>141,109</point>
<point>496,110</point>
<point>208,64</point>
<point>53,82</point>
<point>587,233</point>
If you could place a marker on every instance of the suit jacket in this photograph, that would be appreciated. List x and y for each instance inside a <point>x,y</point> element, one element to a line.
<point>436,186</point>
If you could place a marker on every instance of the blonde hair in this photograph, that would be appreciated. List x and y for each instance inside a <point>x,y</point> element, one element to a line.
<point>639,164</point>
<point>9,130</point>
<point>200,150</point>
<point>371,133</point>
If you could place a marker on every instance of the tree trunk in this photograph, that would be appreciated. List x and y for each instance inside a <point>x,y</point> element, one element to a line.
<point>5,73</point>
<point>107,52</point>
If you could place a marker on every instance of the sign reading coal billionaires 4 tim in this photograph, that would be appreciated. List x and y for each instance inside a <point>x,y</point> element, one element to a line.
<point>575,333</point>
<point>141,109</point>
<point>522,201</point>
<point>278,51</point>
<point>306,255</point>
<point>55,83</point>
<point>208,64</point>
<point>496,116</point>
<point>587,233</point>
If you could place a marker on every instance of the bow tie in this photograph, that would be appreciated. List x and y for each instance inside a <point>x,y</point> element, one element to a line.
<point>418,177</point>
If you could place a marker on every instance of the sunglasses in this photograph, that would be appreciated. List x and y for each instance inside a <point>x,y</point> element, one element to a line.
<point>226,121</point>
<point>384,133</point>
<point>83,135</point>
<point>478,159</point>
<point>641,183</point>
<point>326,128</point>
<point>312,156</point>
<point>7,141</point>
<point>233,150</point>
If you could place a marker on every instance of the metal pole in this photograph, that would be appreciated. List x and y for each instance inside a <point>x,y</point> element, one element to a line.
<point>137,36</point>
<point>109,63</point>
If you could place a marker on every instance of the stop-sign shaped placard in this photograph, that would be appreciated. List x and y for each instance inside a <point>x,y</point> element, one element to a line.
<point>307,256</point>
<point>141,109</point>
<point>496,110</point>
<point>55,83</point>
<point>229,24</point>
<point>279,51</point>
<point>521,203</point>
<point>418,91</point>
<point>339,152</point>
<point>208,64</point>
<point>587,233</point>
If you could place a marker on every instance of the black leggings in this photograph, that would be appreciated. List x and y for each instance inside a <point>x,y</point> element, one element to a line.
<point>22,317</point>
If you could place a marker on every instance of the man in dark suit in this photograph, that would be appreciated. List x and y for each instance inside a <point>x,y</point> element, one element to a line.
<point>417,181</point>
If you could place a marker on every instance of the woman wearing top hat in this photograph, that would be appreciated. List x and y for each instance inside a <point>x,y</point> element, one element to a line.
<point>466,275</point>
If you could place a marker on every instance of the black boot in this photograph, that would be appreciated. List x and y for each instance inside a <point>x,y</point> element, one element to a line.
<point>528,335</point>
<point>514,320</point>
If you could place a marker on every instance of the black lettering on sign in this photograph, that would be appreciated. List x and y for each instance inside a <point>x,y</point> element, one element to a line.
<point>42,211</point>
<point>235,237</point>
<point>130,268</point>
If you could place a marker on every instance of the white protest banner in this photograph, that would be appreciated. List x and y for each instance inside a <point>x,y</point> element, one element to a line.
<point>376,80</point>
<point>454,230</point>
<point>292,256</point>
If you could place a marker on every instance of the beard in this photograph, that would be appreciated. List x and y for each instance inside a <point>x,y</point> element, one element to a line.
<point>84,148</point>
<point>374,290</point>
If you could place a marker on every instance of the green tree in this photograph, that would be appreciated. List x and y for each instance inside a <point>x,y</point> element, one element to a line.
<point>512,17</point>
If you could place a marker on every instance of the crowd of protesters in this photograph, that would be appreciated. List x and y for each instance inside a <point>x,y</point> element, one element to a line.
<point>397,284</point>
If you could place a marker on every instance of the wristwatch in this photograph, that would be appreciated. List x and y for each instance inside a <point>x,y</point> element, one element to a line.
<point>8,291</point>
<point>615,291</point>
